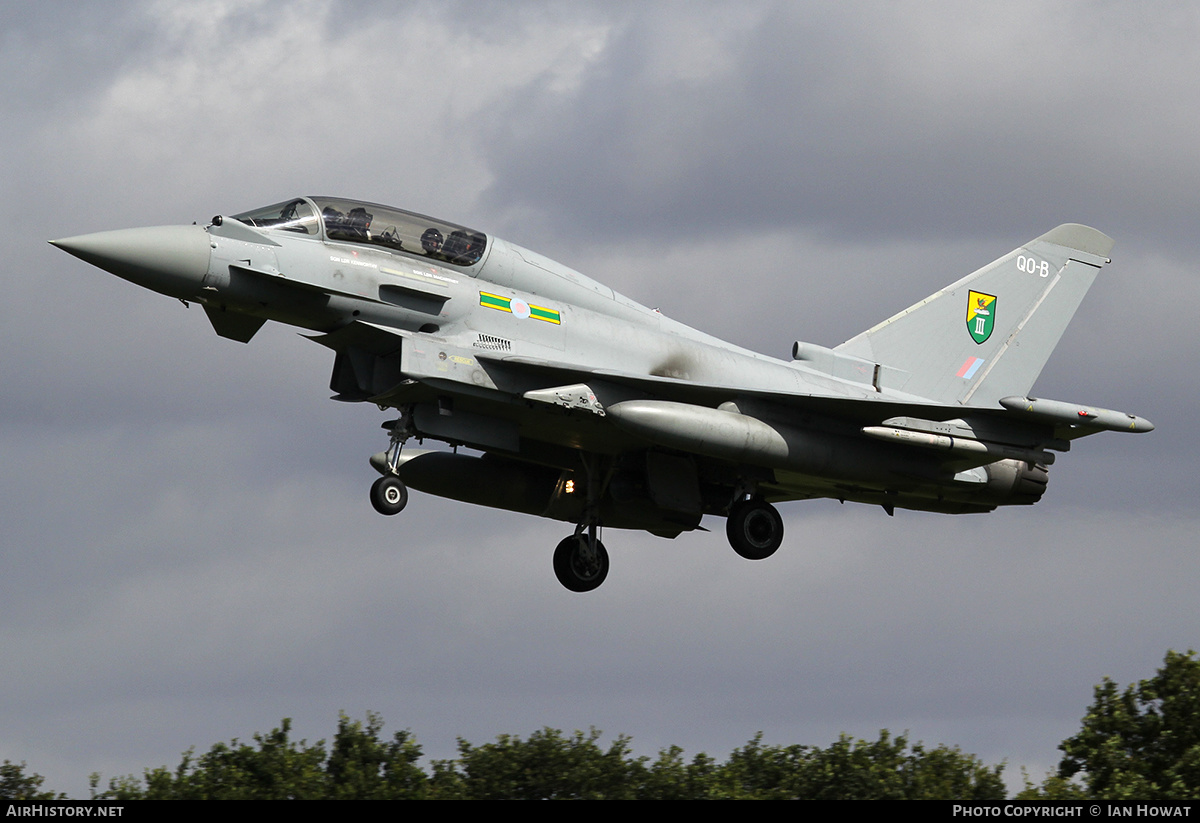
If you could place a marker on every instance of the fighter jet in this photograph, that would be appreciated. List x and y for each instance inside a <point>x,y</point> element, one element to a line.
<point>580,405</point>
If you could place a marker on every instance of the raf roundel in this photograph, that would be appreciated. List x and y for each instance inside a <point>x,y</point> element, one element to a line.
<point>519,308</point>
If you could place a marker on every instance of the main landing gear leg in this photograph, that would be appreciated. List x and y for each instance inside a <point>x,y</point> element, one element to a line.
<point>389,495</point>
<point>581,561</point>
<point>754,528</point>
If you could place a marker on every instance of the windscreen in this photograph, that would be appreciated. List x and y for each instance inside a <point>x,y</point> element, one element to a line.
<point>293,215</point>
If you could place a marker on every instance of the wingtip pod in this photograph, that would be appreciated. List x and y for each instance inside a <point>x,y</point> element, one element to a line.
<point>1080,238</point>
<point>1072,414</point>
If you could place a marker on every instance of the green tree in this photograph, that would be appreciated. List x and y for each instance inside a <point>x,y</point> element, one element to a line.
<point>758,772</point>
<point>359,766</point>
<point>547,766</point>
<point>15,784</point>
<point>1142,743</point>
<point>362,767</point>
<point>887,768</point>
<point>670,778</point>
<point>551,765</point>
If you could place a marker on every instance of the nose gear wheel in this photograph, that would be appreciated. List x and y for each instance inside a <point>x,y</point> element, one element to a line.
<point>389,495</point>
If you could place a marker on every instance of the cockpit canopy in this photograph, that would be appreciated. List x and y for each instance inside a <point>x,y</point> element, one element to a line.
<point>355,222</point>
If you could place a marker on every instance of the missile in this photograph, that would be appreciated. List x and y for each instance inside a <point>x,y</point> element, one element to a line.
<point>962,445</point>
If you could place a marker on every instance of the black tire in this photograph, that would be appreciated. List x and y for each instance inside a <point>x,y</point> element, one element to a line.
<point>389,495</point>
<point>754,529</point>
<point>571,568</point>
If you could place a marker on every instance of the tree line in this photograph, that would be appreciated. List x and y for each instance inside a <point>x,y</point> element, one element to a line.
<point>1140,743</point>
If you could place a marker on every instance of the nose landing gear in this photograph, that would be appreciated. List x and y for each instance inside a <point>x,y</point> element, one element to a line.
<point>389,495</point>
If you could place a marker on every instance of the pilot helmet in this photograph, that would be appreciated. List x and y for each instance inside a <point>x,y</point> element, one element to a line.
<point>431,241</point>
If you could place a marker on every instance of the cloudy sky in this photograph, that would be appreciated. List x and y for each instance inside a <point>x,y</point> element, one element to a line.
<point>187,549</point>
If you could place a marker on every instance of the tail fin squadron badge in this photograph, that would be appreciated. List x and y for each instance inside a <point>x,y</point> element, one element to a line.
<point>981,315</point>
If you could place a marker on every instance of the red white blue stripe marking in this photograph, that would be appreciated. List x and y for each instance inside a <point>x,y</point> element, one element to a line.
<point>969,367</point>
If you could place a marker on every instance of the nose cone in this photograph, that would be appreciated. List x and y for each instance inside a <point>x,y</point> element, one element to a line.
<point>171,260</point>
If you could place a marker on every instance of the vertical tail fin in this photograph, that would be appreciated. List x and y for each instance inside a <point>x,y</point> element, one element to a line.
<point>989,335</point>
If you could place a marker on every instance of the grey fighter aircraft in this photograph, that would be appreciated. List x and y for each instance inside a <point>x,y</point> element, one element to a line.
<point>589,408</point>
